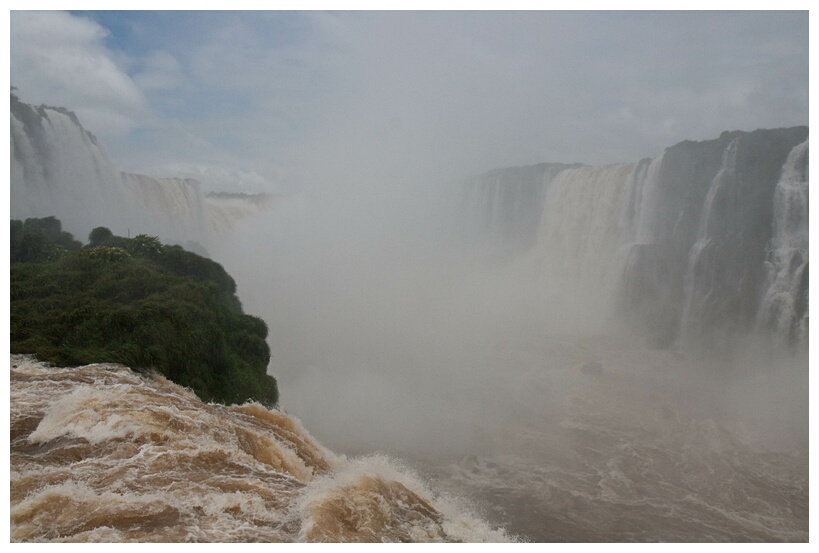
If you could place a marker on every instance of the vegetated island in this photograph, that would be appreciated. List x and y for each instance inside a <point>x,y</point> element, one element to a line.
<point>137,302</point>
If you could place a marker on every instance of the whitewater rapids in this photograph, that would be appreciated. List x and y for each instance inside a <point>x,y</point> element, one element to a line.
<point>100,453</point>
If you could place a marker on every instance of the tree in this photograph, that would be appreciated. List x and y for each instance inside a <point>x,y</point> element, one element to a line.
<point>137,302</point>
<point>99,236</point>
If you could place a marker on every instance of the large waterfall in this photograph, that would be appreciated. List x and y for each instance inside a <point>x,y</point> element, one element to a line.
<point>59,168</point>
<point>696,248</point>
<point>491,367</point>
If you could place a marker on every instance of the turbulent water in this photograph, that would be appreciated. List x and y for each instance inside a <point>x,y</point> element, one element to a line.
<point>101,453</point>
<point>645,446</point>
<point>632,449</point>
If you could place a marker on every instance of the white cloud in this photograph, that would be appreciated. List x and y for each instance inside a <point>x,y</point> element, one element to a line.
<point>61,60</point>
<point>160,71</point>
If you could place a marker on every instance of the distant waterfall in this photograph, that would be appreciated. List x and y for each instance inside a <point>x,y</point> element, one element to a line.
<point>695,248</point>
<point>784,307</point>
<point>580,239</point>
<point>179,201</point>
<point>505,206</point>
<point>58,168</point>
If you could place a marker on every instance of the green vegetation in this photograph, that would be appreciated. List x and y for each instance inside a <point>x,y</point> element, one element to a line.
<point>137,302</point>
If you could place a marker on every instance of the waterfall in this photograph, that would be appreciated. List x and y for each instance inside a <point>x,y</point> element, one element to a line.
<point>581,233</point>
<point>725,276</point>
<point>177,203</point>
<point>784,308</point>
<point>693,249</point>
<point>696,247</point>
<point>59,168</point>
<point>505,205</point>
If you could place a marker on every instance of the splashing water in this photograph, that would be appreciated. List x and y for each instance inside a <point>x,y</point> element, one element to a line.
<point>100,453</point>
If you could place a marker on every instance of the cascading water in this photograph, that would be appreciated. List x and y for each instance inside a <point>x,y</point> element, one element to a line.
<point>703,250</point>
<point>579,241</point>
<point>678,245</point>
<point>164,200</point>
<point>725,274</point>
<point>505,205</point>
<point>58,168</point>
<point>784,308</point>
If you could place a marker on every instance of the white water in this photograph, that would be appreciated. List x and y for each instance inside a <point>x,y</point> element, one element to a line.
<point>59,169</point>
<point>711,238</point>
<point>101,454</point>
<point>789,251</point>
<point>580,243</point>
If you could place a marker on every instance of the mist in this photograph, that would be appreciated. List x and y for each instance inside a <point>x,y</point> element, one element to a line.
<point>512,374</point>
<point>543,257</point>
<point>393,328</point>
<point>372,314</point>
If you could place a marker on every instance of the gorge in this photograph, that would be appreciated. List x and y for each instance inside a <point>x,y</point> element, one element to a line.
<point>575,353</point>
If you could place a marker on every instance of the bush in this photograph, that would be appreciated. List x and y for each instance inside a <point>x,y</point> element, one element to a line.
<point>99,236</point>
<point>139,303</point>
<point>37,240</point>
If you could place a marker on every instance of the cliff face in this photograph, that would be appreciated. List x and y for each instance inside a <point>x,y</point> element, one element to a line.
<point>711,217</point>
<point>59,168</point>
<point>701,245</point>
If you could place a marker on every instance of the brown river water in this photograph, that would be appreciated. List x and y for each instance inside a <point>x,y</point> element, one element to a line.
<point>100,453</point>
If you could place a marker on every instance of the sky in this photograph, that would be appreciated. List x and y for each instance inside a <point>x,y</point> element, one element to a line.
<point>271,101</point>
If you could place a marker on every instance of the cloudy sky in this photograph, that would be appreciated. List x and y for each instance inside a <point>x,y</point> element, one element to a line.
<point>269,100</point>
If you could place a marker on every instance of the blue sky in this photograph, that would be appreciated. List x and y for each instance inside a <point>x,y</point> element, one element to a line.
<point>270,100</point>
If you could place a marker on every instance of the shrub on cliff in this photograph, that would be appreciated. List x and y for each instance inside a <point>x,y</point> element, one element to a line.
<point>137,302</point>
